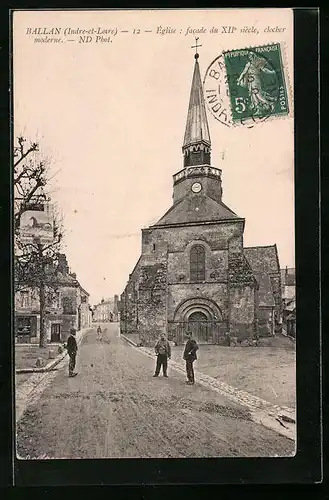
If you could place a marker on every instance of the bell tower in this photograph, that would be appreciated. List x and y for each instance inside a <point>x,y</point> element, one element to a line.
<point>197,176</point>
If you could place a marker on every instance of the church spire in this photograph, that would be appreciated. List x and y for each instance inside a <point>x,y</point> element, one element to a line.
<point>197,145</point>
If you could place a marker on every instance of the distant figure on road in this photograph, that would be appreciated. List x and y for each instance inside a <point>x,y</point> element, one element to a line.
<point>189,355</point>
<point>72,348</point>
<point>163,352</point>
<point>99,333</point>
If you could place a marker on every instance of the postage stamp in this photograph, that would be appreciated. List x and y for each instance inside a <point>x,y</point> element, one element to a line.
<point>256,82</point>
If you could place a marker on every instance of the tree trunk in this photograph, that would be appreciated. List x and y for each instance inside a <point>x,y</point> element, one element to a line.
<point>43,333</point>
<point>42,299</point>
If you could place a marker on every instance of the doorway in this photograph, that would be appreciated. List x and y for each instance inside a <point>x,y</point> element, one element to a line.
<point>198,323</point>
<point>55,332</point>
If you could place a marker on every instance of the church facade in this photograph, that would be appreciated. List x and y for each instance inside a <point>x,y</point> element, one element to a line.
<point>194,271</point>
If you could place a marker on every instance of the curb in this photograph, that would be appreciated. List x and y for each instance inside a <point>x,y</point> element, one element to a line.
<point>280,419</point>
<point>131,342</point>
<point>36,384</point>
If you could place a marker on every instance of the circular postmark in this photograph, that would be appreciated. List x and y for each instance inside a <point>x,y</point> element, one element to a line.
<point>215,91</point>
<point>245,86</point>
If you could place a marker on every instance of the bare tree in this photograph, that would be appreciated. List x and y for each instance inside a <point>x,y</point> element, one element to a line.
<point>29,176</point>
<point>36,264</point>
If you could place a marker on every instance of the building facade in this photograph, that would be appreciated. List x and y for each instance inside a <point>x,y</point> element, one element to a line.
<point>288,281</point>
<point>107,310</point>
<point>67,307</point>
<point>194,271</point>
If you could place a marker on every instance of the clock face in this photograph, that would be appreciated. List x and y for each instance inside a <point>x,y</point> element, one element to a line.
<point>196,187</point>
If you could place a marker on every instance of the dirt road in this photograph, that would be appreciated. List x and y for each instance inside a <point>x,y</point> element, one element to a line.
<point>114,408</point>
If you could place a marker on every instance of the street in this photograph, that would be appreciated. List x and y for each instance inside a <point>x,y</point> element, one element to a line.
<point>114,408</point>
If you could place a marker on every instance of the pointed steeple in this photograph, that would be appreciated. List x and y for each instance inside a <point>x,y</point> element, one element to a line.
<point>197,144</point>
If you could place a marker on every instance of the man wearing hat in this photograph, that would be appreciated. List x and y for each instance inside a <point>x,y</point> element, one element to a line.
<point>72,348</point>
<point>190,356</point>
<point>163,352</point>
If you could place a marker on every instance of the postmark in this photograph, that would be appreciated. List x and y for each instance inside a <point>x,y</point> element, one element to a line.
<point>215,91</point>
<point>247,86</point>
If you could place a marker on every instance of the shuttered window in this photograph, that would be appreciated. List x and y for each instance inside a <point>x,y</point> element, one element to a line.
<point>197,263</point>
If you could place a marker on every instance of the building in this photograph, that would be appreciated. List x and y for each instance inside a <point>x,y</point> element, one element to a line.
<point>67,307</point>
<point>194,271</point>
<point>288,281</point>
<point>107,310</point>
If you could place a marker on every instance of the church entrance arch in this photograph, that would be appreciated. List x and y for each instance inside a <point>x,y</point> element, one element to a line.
<point>200,326</point>
<point>203,317</point>
<point>197,316</point>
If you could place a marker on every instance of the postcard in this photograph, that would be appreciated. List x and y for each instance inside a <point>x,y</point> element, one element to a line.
<point>155,292</point>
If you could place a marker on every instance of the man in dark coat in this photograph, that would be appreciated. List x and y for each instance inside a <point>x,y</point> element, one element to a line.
<point>163,352</point>
<point>190,356</point>
<point>72,348</point>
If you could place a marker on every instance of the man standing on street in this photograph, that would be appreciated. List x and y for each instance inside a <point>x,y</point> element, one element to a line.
<point>99,333</point>
<point>189,355</point>
<point>163,352</point>
<point>72,348</point>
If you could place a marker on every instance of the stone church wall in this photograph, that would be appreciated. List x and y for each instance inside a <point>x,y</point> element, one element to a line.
<point>181,292</point>
<point>242,312</point>
<point>152,303</point>
<point>276,289</point>
<point>160,282</point>
<point>216,236</point>
<point>242,294</point>
<point>179,264</point>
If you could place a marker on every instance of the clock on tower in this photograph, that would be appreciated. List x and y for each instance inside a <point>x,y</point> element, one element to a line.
<point>196,187</point>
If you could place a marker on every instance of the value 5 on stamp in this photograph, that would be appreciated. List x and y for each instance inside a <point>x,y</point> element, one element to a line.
<point>256,83</point>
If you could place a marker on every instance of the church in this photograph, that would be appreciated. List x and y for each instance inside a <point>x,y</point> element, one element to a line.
<point>194,271</point>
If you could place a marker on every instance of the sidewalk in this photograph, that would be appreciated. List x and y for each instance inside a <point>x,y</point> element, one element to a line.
<point>278,418</point>
<point>43,353</point>
<point>39,378</point>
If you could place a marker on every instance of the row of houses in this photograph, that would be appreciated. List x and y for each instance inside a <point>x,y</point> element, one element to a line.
<point>66,308</point>
<point>107,310</point>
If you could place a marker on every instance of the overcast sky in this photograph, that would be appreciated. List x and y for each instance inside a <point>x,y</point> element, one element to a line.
<point>112,117</point>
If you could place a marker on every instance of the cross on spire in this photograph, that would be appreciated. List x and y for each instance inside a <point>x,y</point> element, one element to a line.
<point>196,47</point>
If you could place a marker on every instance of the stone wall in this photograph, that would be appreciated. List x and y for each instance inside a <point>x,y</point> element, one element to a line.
<point>242,295</point>
<point>242,312</point>
<point>177,238</point>
<point>152,303</point>
<point>276,289</point>
<point>180,292</point>
<point>212,186</point>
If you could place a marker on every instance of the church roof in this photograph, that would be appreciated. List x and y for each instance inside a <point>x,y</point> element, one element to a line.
<point>196,208</point>
<point>264,262</point>
<point>263,259</point>
<point>197,129</point>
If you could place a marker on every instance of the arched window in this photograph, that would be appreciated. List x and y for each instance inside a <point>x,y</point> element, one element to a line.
<point>197,263</point>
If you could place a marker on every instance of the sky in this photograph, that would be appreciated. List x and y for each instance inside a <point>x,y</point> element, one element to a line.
<point>111,116</point>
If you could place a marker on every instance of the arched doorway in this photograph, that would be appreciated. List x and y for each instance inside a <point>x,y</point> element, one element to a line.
<point>201,315</point>
<point>197,316</point>
<point>198,324</point>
